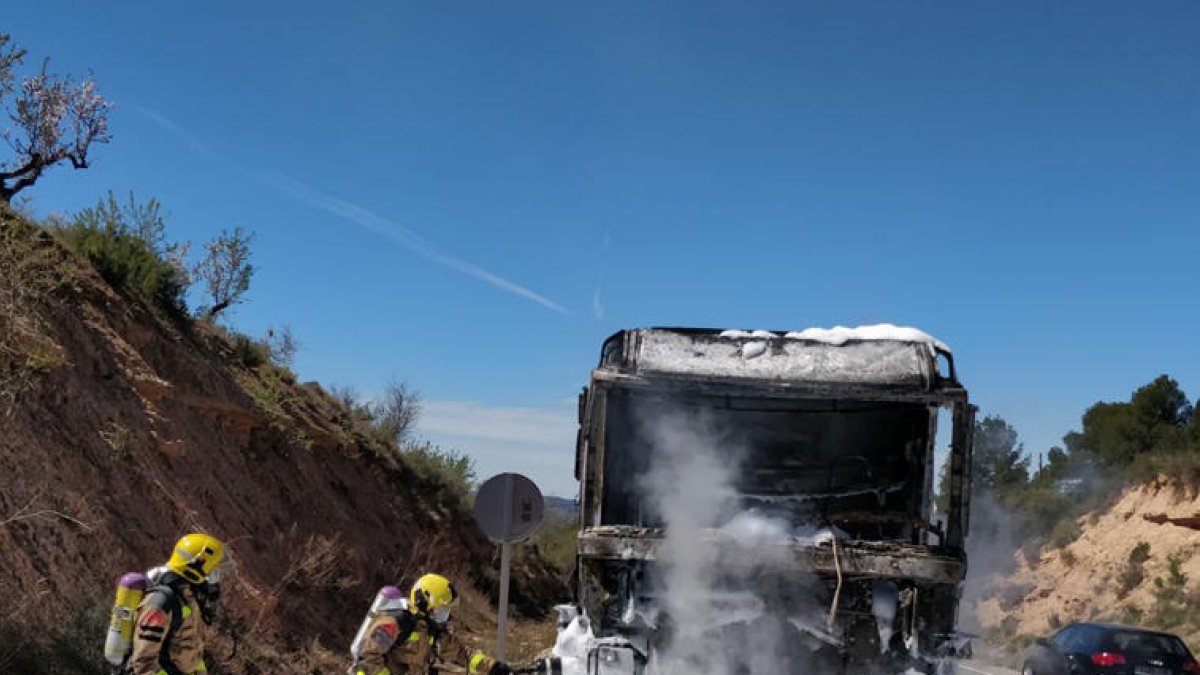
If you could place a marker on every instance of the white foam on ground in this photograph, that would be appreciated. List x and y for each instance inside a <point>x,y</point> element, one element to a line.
<point>572,645</point>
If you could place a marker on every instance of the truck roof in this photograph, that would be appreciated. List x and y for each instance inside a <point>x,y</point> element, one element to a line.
<point>882,354</point>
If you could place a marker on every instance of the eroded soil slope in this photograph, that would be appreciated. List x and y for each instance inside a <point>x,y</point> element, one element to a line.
<point>123,428</point>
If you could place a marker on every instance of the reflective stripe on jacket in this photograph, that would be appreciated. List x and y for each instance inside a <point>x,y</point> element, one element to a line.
<point>154,620</point>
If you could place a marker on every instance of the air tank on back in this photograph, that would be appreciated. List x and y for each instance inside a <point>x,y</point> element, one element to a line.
<point>388,601</point>
<point>119,642</point>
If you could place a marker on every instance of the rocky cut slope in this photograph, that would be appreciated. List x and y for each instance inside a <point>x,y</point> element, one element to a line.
<point>1134,562</point>
<point>123,428</point>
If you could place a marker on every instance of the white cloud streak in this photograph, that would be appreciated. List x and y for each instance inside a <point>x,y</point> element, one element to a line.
<point>598,309</point>
<point>360,216</point>
<point>197,145</point>
<point>400,234</point>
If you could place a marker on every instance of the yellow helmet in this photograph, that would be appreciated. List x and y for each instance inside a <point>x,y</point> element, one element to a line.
<point>196,556</point>
<point>432,592</point>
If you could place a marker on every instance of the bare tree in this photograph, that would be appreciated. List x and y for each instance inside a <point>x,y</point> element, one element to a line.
<point>146,222</point>
<point>283,345</point>
<point>54,120</point>
<point>354,404</point>
<point>226,269</point>
<point>397,412</point>
<point>346,395</point>
<point>10,56</point>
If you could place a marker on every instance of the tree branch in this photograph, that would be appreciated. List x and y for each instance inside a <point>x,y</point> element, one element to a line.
<point>34,160</point>
<point>24,513</point>
<point>218,308</point>
<point>28,174</point>
<point>55,120</point>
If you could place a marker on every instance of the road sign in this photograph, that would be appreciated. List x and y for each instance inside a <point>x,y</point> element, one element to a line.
<point>508,508</point>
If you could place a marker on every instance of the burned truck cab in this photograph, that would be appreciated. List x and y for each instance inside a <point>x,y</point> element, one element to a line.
<point>766,500</point>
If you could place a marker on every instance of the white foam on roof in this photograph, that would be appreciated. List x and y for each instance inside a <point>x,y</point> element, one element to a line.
<point>754,349</point>
<point>839,335</point>
<point>744,334</point>
<point>901,362</point>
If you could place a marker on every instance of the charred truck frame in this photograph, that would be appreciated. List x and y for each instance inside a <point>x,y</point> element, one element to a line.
<point>836,433</point>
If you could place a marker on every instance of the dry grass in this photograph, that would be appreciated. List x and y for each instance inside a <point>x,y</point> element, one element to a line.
<point>31,512</point>
<point>317,564</point>
<point>29,278</point>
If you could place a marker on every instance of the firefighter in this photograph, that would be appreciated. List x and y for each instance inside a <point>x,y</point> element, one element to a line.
<point>168,638</point>
<point>416,638</point>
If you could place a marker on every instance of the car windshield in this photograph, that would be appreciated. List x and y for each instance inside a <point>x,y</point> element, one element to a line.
<point>1137,643</point>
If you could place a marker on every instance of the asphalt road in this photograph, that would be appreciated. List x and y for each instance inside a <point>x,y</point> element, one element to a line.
<point>977,668</point>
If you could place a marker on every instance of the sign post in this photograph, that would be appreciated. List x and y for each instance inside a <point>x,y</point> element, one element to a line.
<point>508,508</point>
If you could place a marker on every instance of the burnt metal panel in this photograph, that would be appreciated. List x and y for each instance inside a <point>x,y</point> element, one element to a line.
<point>749,388</point>
<point>960,475</point>
<point>857,559</point>
<point>597,421</point>
<point>929,490</point>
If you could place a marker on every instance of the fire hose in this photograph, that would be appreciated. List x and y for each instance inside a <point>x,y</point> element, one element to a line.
<point>550,666</point>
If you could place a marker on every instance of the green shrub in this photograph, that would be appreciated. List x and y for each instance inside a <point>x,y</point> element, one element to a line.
<point>1042,509</point>
<point>436,465</point>
<point>1134,572</point>
<point>1172,606</point>
<point>1140,553</point>
<point>556,540</point>
<point>1130,615</point>
<point>1064,533</point>
<point>249,352</point>
<point>272,390</point>
<point>1181,464</point>
<point>128,263</point>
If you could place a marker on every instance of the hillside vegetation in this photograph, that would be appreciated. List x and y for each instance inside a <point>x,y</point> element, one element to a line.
<point>1088,533</point>
<point>129,421</point>
<point>1129,564</point>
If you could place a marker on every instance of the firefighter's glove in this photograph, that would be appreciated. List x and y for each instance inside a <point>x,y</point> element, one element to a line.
<point>499,668</point>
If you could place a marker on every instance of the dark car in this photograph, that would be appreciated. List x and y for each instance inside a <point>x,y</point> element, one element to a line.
<point>1093,648</point>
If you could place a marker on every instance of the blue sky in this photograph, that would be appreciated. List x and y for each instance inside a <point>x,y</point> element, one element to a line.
<point>471,196</point>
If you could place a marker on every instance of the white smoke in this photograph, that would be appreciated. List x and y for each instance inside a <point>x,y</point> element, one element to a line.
<point>718,622</point>
<point>756,614</point>
<point>991,553</point>
<point>690,489</point>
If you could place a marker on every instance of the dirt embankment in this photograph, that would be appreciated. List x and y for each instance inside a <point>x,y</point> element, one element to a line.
<point>122,429</point>
<point>1134,562</point>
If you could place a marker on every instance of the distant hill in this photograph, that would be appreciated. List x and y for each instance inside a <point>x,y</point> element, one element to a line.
<point>562,506</point>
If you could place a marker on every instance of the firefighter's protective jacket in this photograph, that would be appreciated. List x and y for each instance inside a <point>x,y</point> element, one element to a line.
<point>410,646</point>
<point>159,650</point>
